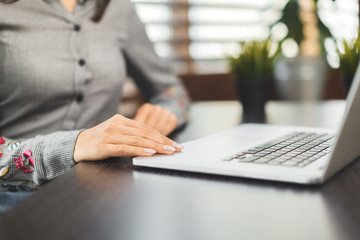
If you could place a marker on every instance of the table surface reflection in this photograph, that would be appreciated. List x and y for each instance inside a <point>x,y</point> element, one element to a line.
<point>114,200</point>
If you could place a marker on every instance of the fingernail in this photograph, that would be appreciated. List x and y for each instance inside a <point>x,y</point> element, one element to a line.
<point>178,146</point>
<point>169,148</point>
<point>148,150</point>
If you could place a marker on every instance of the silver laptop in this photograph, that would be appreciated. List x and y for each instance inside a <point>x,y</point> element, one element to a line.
<point>279,153</point>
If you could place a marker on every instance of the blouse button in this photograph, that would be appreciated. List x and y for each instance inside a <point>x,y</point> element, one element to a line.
<point>79,98</point>
<point>82,62</point>
<point>77,28</point>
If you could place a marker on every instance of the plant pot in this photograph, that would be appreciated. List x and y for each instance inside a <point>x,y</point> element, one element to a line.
<point>253,95</point>
<point>300,78</point>
<point>347,84</point>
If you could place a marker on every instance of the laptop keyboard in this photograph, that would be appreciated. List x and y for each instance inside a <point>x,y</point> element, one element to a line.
<point>296,149</point>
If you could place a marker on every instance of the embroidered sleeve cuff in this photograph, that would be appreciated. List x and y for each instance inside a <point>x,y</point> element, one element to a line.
<point>57,153</point>
<point>52,154</point>
<point>25,164</point>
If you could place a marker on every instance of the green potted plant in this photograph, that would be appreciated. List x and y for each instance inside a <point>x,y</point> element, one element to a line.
<point>253,72</point>
<point>349,56</point>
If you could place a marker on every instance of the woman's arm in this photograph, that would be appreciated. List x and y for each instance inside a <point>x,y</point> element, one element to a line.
<point>25,164</point>
<point>156,81</point>
<point>30,162</point>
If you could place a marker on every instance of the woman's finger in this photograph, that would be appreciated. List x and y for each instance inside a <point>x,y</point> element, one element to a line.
<point>162,121</point>
<point>170,125</point>
<point>137,141</point>
<point>156,114</point>
<point>143,113</point>
<point>121,150</point>
<point>144,130</point>
<point>157,117</point>
<point>154,137</point>
<point>134,128</point>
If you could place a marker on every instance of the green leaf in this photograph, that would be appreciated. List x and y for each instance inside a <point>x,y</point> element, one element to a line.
<point>255,60</point>
<point>349,56</point>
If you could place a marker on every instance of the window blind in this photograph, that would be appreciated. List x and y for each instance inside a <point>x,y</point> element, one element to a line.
<point>196,35</point>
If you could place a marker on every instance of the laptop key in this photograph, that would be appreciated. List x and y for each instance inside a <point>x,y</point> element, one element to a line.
<point>248,159</point>
<point>302,164</point>
<point>288,163</point>
<point>277,160</point>
<point>252,151</point>
<point>261,160</point>
<point>228,159</point>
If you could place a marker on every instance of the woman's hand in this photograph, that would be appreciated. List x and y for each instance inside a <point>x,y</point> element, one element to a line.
<point>157,117</point>
<point>120,136</point>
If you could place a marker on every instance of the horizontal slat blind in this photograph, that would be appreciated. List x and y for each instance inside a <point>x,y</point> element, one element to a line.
<point>196,35</point>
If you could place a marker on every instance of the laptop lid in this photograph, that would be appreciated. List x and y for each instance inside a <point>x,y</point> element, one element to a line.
<point>347,146</point>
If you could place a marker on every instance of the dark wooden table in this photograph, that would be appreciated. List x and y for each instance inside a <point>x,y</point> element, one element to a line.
<point>114,200</point>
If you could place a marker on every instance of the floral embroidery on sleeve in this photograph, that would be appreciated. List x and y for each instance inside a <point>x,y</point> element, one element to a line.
<point>20,165</point>
<point>23,164</point>
<point>11,145</point>
<point>180,96</point>
<point>4,171</point>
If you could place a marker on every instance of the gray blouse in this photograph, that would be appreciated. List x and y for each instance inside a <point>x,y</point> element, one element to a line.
<point>61,72</point>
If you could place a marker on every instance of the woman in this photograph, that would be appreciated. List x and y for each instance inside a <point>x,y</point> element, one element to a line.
<point>62,67</point>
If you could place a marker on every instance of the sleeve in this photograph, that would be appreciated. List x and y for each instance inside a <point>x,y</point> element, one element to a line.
<point>25,164</point>
<point>157,83</point>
